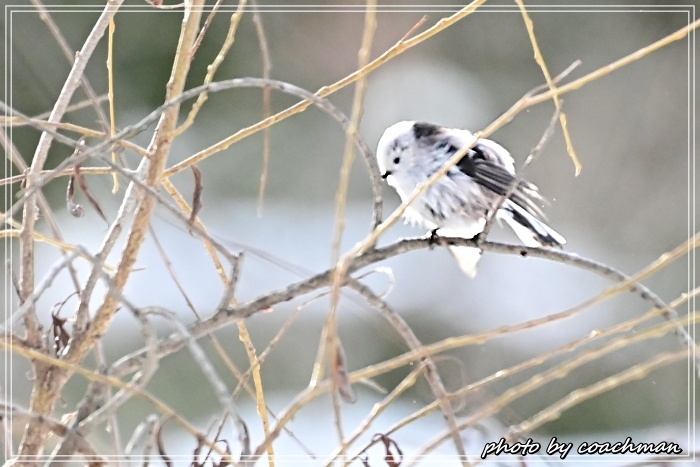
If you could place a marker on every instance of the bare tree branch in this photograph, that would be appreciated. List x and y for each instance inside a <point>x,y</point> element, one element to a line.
<point>42,401</point>
<point>227,316</point>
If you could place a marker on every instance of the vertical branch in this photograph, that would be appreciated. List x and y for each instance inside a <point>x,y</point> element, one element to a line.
<point>16,158</point>
<point>40,155</point>
<point>42,398</point>
<point>267,67</point>
<point>211,69</point>
<point>48,384</point>
<point>259,393</point>
<point>357,109</point>
<point>110,81</point>
<point>397,49</point>
<point>329,339</point>
<point>557,102</point>
<point>432,375</point>
<point>93,100</point>
<point>153,168</point>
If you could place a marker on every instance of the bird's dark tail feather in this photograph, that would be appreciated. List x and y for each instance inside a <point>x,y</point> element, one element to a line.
<point>532,231</point>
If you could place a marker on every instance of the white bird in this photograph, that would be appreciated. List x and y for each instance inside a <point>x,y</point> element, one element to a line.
<point>457,204</point>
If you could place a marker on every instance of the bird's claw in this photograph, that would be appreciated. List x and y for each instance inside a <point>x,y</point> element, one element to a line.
<point>434,238</point>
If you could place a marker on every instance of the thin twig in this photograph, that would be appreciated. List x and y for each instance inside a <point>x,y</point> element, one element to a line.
<point>559,371</point>
<point>266,69</point>
<point>406,383</point>
<point>45,394</point>
<point>141,126</point>
<point>211,69</point>
<point>48,384</point>
<point>397,49</point>
<point>69,54</point>
<point>13,153</point>
<point>76,144</point>
<point>82,445</point>
<point>330,349</point>
<point>432,375</point>
<point>224,317</point>
<point>110,84</point>
<point>518,178</point>
<point>243,378</point>
<point>51,275</point>
<point>205,28</point>
<point>18,347</point>
<point>529,101</point>
<point>14,122</point>
<point>95,396</point>
<point>171,271</point>
<point>462,341</point>
<point>19,178</point>
<point>261,406</point>
<point>414,28</point>
<point>550,83</point>
<point>207,369</point>
<point>228,297</point>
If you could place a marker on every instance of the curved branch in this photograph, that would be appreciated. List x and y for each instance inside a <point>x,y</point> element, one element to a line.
<point>227,316</point>
<point>144,124</point>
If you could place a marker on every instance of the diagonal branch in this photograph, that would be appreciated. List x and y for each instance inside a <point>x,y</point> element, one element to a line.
<point>225,317</point>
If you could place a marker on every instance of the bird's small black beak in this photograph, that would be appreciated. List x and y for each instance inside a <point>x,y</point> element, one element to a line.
<point>386,174</point>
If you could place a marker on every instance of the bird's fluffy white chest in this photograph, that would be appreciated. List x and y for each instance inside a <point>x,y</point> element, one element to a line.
<point>449,204</point>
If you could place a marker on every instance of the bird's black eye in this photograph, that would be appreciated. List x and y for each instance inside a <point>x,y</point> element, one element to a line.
<point>397,160</point>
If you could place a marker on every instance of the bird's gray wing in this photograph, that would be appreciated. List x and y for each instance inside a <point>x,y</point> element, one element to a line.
<point>487,163</point>
<point>498,179</point>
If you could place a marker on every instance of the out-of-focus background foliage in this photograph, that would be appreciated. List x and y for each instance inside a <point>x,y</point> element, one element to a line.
<point>629,205</point>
